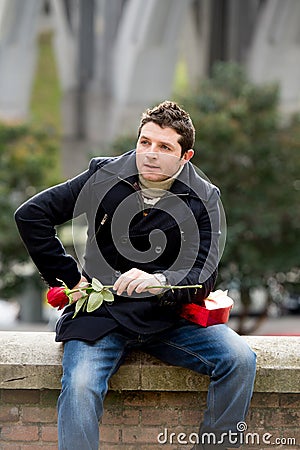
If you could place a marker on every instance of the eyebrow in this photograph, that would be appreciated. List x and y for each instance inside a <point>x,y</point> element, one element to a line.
<point>168,144</point>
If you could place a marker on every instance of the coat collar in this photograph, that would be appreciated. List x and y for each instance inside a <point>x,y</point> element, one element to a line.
<point>123,168</point>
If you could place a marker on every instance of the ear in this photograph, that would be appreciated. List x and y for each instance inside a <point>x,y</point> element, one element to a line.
<point>188,155</point>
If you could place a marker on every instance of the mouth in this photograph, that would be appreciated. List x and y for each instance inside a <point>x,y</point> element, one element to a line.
<point>150,166</point>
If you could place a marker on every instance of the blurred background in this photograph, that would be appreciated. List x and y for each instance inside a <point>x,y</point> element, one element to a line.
<point>75,76</point>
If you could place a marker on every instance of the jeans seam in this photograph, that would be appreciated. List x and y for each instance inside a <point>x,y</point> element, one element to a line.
<point>203,360</point>
<point>116,367</point>
<point>212,405</point>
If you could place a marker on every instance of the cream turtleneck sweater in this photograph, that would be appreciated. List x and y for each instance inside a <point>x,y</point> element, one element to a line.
<point>153,191</point>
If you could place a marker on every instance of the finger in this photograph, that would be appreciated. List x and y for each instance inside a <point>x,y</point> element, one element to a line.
<point>144,288</point>
<point>119,281</point>
<point>76,296</point>
<point>138,284</point>
<point>122,285</point>
<point>141,286</point>
<point>116,284</point>
<point>122,282</point>
<point>133,285</point>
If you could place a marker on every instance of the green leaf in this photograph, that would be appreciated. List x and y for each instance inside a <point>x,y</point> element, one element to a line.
<point>96,285</point>
<point>107,295</point>
<point>79,305</point>
<point>94,302</point>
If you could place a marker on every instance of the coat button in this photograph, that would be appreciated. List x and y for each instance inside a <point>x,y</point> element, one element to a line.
<point>117,273</point>
<point>158,249</point>
<point>124,240</point>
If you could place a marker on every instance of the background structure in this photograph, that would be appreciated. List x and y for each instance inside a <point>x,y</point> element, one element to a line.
<point>116,57</point>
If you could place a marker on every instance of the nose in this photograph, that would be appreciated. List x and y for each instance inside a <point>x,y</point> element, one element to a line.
<point>153,151</point>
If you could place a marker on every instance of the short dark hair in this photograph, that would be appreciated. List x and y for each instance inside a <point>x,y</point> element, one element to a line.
<point>170,115</point>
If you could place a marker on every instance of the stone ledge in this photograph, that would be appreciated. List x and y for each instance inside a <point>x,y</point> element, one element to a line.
<point>33,361</point>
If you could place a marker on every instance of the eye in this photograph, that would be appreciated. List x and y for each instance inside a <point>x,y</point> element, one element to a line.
<point>145,142</point>
<point>164,147</point>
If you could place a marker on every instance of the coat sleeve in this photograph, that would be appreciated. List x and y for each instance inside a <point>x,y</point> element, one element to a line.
<point>204,268</point>
<point>36,220</point>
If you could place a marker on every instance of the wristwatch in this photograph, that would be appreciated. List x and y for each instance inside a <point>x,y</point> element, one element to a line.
<point>160,278</point>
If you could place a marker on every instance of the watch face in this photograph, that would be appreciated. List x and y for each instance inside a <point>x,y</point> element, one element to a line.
<point>161,278</point>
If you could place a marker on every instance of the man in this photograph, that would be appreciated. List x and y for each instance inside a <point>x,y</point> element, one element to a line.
<point>152,222</point>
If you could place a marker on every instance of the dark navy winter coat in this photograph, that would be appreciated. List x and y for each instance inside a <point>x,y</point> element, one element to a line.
<point>178,237</point>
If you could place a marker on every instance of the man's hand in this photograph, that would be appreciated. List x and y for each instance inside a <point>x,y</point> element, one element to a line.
<point>77,295</point>
<point>137,280</point>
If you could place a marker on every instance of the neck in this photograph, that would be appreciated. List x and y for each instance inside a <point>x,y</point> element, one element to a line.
<point>158,185</point>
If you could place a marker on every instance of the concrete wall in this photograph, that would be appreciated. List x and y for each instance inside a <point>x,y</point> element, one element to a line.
<point>145,398</point>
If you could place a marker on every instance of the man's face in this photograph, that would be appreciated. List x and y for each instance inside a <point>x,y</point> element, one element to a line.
<point>158,152</point>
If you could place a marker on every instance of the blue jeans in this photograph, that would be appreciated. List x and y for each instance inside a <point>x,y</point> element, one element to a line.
<point>216,351</point>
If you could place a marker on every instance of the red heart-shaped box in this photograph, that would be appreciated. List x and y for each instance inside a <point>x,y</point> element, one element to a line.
<point>216,310</point>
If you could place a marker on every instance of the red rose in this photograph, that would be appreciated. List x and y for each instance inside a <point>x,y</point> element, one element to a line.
<point>57,297</point>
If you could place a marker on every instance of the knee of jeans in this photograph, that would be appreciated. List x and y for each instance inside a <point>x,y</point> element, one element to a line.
<point>79,380</point>
<point>241,359</point>
<point>82,381</point>
<point>245,360</point>
<point>249,361</point>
